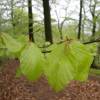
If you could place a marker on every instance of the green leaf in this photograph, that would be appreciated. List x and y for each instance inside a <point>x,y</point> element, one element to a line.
<point>31,62</point>
<point>60,70</point>
<point>84,58</point>
<point>14,47</point>
<point>67,61</point>
<point>92,47</point>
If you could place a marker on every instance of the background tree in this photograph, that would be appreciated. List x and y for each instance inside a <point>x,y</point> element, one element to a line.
<point>80,19</point>
<point>93,6</point>
<point>47,21</point>
<point>30,16</point>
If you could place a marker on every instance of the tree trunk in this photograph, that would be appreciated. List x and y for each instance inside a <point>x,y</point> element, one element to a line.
<point>93,29</point>
<point>30,16</point>
<point>47,21</point>
<point>12,16</point>
<point>80,19</point>
<point>93,13</point>
<point>94,26</point>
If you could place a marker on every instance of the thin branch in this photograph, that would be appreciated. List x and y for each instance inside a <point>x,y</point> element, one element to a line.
<point>67,40</point>
<point>93,41</point>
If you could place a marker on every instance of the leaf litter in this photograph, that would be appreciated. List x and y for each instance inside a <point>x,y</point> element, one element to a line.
<point>12,88</point>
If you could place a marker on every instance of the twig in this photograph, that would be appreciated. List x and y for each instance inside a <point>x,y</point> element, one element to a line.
<point>49,51</point>
<point>93,41</point>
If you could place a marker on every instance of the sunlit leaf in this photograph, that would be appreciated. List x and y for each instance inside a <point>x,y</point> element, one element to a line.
<point>31,62</point>
<point>13,46</point>
<point>92,47</point>
<point>84,58</point>
<point>60,71</point>
<point>67,61</point>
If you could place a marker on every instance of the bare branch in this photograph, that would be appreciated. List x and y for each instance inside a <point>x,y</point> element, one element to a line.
<point>93,41</point>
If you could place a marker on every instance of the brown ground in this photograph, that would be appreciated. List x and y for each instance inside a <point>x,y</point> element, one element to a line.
<point>12,88</point>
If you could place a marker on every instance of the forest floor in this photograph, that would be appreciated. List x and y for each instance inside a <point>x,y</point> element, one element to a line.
<point>12,88</point>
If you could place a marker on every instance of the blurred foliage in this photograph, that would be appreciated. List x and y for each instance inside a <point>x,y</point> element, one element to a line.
<point>64,62</point>
<point>94,71</point>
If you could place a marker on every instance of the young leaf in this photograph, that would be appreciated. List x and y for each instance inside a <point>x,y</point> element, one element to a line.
<point>31,62</point>
<point>14,47</point>
<point>92,48</point>
<point>84,58</point>
<point>67,61</point>
<point>61,66</point>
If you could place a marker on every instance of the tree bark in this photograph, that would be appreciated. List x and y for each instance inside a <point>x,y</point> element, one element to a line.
<point>94,23</point>
<point>94,17</point>
<point>93,29</point>
<point>30,16</point>
<point>80,19</point>
<point>47,21</point>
